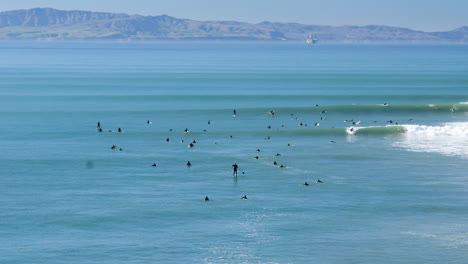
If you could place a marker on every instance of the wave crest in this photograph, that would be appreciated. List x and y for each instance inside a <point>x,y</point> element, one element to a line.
<point>376,130</point>
<point>448,139</point>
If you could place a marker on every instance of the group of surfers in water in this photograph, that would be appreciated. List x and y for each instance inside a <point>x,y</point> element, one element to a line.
<point>192,144</point>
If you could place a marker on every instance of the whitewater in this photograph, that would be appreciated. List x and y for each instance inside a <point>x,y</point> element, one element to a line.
<point>378,133</point>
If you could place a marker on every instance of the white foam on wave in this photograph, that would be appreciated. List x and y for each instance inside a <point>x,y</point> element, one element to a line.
<point>463,103</point>
<point>448,239</point>
<point>448,139</point>
<point>352,130</point>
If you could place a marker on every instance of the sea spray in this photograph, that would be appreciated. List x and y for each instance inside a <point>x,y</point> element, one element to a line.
<point>448,139</point>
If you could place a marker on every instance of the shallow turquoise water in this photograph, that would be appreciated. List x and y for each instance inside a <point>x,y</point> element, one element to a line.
<point>392,193</point>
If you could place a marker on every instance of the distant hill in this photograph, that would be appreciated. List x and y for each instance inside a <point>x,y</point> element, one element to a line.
<point>52,24</point>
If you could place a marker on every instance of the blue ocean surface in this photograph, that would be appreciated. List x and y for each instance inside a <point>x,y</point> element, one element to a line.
<point>383,127</point>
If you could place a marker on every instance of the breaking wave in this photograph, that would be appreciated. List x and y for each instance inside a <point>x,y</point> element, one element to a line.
<point>376,130</point>
<point>449,139</point>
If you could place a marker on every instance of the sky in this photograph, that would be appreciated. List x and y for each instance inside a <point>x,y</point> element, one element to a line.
<point>427,15</point>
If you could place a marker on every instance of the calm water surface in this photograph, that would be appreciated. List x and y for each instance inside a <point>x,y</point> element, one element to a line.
<point>394,183</point>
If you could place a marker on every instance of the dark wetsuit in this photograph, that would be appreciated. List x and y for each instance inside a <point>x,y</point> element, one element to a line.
<point>235,166</point>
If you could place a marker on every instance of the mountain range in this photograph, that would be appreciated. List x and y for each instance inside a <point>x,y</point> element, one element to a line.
<point>53,24</point>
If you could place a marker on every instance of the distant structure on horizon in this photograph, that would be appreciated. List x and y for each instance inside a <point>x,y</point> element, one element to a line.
<point>310,40</point>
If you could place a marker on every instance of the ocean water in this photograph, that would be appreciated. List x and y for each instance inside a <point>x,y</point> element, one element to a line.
<point>395,183</point>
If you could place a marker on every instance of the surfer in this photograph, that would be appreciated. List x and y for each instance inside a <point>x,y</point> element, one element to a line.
<point>189,164</point>
<point>186,130</point>
<point>306,184</point>
<point>256,157</point>
<point>209,122</point>
<point>258,150</point>
<point>191,145</point>
<point>114,146</point>
<point>99,124</point>
<point>207,199</point>
<point>148,122</point>
<point>235,167</point>
<point>282,166</point>
<point>167,139</point>
<point>119,130</point>
<point>277,155</point>
<point>275,163</point>
<point>244,197</point>
<point>234,113</point>
<point>100,129</point>
<point>154,165</point>
<point>319,181</point>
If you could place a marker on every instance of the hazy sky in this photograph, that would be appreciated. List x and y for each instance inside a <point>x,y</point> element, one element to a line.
<point>429,15</point>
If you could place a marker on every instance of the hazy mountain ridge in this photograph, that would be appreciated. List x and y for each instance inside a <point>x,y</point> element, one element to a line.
<point>52,24</point>
<point>38,17</point>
